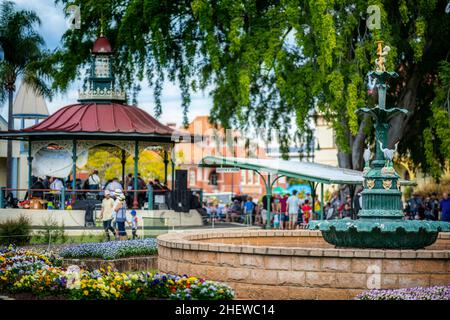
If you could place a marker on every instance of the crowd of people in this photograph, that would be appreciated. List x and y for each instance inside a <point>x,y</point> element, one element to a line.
<point>94,183</point>
<point>293,211</point>
<point>288,211</point>
<point>428,208</point>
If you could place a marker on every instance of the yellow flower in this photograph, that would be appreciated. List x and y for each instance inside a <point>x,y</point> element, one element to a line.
<point>86,293</point>
<point>134,277</point>
<point>113,291</point>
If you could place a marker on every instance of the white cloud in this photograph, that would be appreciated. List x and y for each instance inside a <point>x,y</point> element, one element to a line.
<point>53,24</point>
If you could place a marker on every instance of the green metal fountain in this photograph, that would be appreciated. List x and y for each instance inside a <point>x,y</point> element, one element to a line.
<point>381,222</point>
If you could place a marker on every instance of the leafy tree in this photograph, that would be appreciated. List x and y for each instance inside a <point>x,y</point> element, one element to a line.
<point>108,162</point>
<point>437,136</point>
<point>23,59</point>
<point>272,60</point>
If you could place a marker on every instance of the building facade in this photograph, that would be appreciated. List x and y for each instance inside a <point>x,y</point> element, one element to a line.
<point>220,142</point>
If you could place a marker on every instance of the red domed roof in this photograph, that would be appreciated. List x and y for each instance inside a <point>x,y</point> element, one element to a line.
<point>101,45</point>
<point>101,118</point>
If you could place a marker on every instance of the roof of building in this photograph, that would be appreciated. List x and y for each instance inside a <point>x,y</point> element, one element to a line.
<point>101,45</point>
<point>29,104</point>
<point>101,118</point>
<point>309,171</point>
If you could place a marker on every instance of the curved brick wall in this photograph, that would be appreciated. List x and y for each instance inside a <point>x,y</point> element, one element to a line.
<point>297,264</point>
<point>140,263</point>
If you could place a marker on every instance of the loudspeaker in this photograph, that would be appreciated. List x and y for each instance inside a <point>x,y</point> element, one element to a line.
<point>181,179</point>
<point>181,200</point>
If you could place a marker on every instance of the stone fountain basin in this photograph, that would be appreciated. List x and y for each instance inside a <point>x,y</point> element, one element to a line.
<point>299,264</point>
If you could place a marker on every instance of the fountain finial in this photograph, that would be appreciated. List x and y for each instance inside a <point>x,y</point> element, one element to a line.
<point>382,52</point>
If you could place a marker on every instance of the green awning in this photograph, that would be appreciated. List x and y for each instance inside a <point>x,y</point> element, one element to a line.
<point>309,171</point>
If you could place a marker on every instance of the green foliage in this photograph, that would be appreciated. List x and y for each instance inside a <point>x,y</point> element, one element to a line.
<point>15,231</point>
<point>269,61</point>
<point>108,163</point>
<point>24,54</point>
<point>437,136</point>
<point>51,232</point>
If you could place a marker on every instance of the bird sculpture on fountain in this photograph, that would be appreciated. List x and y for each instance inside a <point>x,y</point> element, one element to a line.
<point>388,155</point>
<point>366,155</point>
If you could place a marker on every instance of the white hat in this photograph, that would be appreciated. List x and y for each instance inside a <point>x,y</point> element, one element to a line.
<point>107,193</point>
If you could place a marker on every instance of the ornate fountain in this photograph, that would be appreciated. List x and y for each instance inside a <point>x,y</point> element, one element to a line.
<point>381,222</point>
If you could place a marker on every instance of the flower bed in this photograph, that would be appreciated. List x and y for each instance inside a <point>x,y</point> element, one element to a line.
<point>27,272</point>
<point>15,264</point>
<point>418,293</point>
<point>111,249</point>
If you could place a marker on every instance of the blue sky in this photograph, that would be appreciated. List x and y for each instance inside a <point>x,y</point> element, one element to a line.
<point>54,25</point>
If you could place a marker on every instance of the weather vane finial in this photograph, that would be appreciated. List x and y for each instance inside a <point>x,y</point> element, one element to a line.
<point>382,53</point>
<point>102,22</point>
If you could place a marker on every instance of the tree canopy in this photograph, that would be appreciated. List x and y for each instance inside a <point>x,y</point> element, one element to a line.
<point>108,163</point>
<point>271,61</point>
<point>24,51</point>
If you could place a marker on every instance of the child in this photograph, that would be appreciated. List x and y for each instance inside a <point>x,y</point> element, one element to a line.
<point>306,208</point>
<point>277,212</point>
<point>134,224</point>
<point>276,221</point>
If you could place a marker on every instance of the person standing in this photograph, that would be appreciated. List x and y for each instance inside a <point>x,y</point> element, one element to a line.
<point>248,210</point>
<point>347,211</point>
<point>264,209</point>
<point>306,208</point>
<point>120,209</point>
<point>128,182</point>
<point>293,205</point>
<point>134,224</point>
<point>106,215</point>
<point>284,213</point>
<point>444,207</point>
<point>94,181</point>
<point>277,212</point>
<point>38,185</point>
<point>56,185</point>
<point>431,207</point>
<point>114,185</point>
<point>335,202</point>
<point>414,204</point>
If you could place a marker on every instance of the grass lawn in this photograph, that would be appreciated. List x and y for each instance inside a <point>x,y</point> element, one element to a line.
<point>36,239</point>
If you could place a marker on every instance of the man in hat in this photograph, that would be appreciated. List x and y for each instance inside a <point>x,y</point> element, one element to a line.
<point>120,209</point>
<point>106,215</point>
